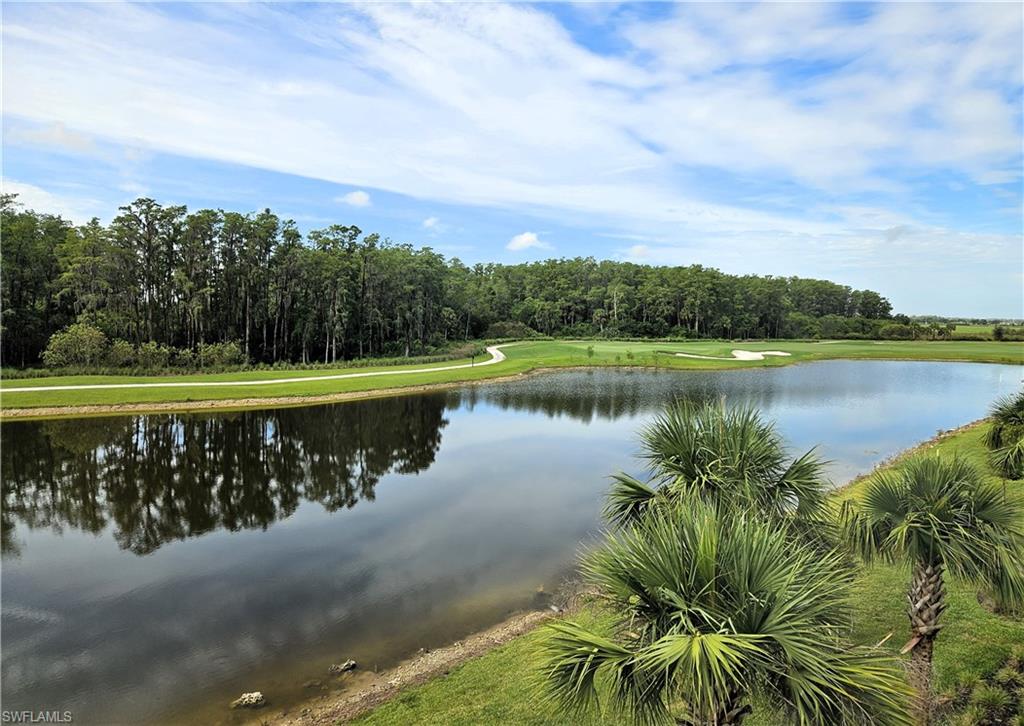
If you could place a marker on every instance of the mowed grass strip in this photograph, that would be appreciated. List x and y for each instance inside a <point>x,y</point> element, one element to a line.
<point>504,685</point>
<point>521,358</point>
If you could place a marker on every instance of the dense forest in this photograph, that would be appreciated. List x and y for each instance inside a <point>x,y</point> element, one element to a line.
<point>166,280</point>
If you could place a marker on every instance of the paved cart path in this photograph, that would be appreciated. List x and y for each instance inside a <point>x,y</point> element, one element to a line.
<point>496,357</point>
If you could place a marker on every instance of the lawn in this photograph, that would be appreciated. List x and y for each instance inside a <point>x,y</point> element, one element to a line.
<point>522,358</point>
<point>502,686</point>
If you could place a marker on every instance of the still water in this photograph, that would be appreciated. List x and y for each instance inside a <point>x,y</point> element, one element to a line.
<point>156,566</point>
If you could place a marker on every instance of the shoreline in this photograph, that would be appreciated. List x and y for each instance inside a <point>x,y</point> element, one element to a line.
<point>900,456</point>
<point>376,688</point>
<point>424,667</point>
<point>241,404</point>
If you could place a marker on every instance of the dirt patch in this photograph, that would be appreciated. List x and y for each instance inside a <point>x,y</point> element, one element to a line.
<point>370,690</point>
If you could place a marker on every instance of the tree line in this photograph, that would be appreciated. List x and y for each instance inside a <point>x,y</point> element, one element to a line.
<point>157,479</point>
<point>162,275</point>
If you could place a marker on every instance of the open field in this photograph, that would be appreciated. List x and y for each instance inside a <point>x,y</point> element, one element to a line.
<point>521,358</point>
<point>986,331</point>
<point>502,685</point>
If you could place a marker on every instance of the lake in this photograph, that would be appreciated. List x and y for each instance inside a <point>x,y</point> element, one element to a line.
<point>154,567</point>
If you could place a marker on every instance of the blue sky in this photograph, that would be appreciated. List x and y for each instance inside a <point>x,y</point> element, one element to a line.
<point>875,145</point>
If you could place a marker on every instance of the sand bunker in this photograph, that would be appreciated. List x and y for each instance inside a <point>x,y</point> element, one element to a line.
<point>736,355</point>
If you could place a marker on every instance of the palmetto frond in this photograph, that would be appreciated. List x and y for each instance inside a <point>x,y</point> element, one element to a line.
<point>1007,414</point>
<point>1009,458</point>
<point>628,500</point>
<point>720,454</point>
<point>942,511</point>
<point>1005,435</point>
<point>715,605</point>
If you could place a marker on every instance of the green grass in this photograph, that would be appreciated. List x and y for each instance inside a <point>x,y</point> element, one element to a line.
<point>522,358</point>
<point>985,330</point>
<point>502,686</point>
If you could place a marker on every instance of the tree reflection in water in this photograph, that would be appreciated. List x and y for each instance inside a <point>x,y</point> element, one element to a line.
<point>159,478</point>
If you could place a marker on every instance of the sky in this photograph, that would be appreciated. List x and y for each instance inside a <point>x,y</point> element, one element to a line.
<point>878,146</point>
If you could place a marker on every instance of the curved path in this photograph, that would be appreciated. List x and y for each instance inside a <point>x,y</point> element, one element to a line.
<point>496,357</point>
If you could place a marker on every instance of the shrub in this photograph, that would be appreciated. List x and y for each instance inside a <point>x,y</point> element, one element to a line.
<point>216,355</point>
<point>991,699</point>
<point>153,355</point>
<point>231,354</point>
<point>510,329</point>
<point>76,345</point>
<point>896,331</point>
<point>184,358</point>
<point>122,354</point>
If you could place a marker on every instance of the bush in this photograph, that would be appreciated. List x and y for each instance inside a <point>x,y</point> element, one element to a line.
<point>217,355</point>
<point>76,345</point>
<point>184,358</point>
<point>153,355</point>
<point>122,354</point>
<point>510,329</point>
<point>897,331</point>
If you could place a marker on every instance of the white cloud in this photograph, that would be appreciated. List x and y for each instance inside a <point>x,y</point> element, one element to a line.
<point>55,134</point>
<point>358,198</point>
<point>431,223</point>
<point>454,106</point>
<point>525,241</point>
<point>75,208</point>
<point>501,106</point>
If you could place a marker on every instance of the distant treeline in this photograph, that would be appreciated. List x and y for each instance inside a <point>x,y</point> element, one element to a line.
<point>1005,322</point>
<point>161,278</point>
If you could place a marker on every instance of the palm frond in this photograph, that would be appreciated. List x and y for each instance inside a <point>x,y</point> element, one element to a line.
<point>724,454</point>
<point>940,510</point>
<point>628,500</point>
<point>1007,414</point>
<point>716,604</point>
<point>1008,458</point>
<point>574,657</point>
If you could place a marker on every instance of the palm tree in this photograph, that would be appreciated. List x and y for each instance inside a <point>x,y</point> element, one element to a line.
<point>723,455</point>
<point>716,607</point>
<point>1006,435</point>
<point>940,515</point>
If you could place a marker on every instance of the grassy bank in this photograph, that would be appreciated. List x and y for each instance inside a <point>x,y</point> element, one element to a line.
<point>521,358</point>
<point>501,687</point>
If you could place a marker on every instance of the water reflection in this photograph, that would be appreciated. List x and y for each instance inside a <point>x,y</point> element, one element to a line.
<point>156,479</point>
<point>159,478</point>
<point>480,497</point>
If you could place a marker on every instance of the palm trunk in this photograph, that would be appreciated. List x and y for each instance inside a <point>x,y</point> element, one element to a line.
<point>926,600</point>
